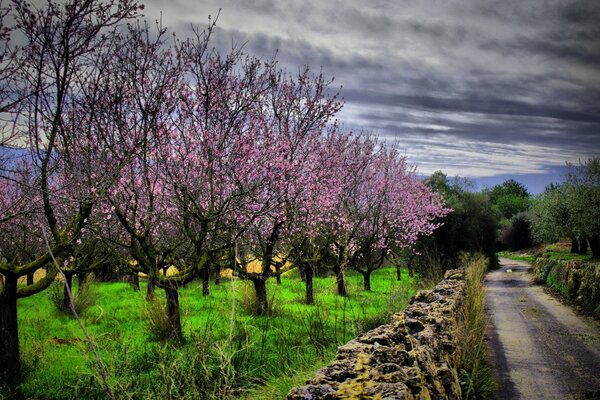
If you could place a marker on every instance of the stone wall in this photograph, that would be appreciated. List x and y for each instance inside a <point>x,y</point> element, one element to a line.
<point>410,358</point>
<point>576,281</point>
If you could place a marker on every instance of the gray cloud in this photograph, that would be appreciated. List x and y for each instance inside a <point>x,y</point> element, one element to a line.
<point>479,87</point>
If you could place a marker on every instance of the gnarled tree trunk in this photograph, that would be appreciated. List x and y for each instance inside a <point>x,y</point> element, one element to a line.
<point>205,280</point>
<point>260,286</point>
<point>10,365</point>
<point>366,280</point>
<point>308,280</point>
<point>595,246</point>
<point>339,279</point>
<point>172,294</point>
<point>68,286</point>
<point>150,290</point>
<point>135,282</point>
<point>583,246</point>
<point>574,246</point>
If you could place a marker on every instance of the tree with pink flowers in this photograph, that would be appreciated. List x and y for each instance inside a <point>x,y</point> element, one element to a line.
<point>72,160</point>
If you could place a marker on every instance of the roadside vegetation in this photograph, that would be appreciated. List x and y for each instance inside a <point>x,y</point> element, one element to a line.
<point>476,372</point>
<point>562,223</point>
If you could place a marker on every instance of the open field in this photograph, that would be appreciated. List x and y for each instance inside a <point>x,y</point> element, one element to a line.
<point>221,356</point>
<point>555,251</point>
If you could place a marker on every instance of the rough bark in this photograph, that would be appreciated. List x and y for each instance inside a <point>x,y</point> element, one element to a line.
<point>367,280</point>
<point>135,282</point>
<point>339,279</point>
<point>150,290</point>
<point>172,295</point>
<point>574,246</point>
<point>82,278</point>
<point>68,286</point>
<point>10,364</point>
<point>583,246</point>
<point>205,281</point>
<point>308,279</point>
<point>595,246</point>
<point>260,286</point>
<point>217,275</point>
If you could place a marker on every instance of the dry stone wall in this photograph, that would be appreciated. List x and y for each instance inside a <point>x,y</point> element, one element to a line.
<point>577,281</point>
<point>410,358</point>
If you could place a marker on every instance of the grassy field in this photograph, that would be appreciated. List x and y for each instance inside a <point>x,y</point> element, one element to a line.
<point>227,352</point>
<point>555,251</point>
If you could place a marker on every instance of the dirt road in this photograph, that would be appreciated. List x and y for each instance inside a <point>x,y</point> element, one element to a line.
<point>541,348</point>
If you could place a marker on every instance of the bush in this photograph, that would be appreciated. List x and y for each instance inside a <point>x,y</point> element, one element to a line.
<point>158,320</point>
<point>85,297</point>
<point>518,236</point>
<point>249,302</point>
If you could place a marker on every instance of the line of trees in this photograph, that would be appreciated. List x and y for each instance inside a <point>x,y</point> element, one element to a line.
<point>571,210</point>
<point>124,146</point>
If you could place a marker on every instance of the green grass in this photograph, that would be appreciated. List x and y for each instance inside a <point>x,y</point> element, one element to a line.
<point>556,251</point>
<point>255,357</point>
<point>516,256</point>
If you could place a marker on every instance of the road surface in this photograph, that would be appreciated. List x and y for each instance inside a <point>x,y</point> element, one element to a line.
<point>541,348</point>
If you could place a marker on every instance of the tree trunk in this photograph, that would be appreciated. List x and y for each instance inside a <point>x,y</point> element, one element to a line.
<point>303,274</point>
<point>339,279</point>
<point>10,365</point>
<point>398,272</point>
<point>30,279</point>
<point>411,270</point>
<point>172,295</point>
<point>278,278</point>
<point>82,278</point>
<point>205,280</point>
<point>595,246</point>
<point>217,276</point>
<point>583,246</point>
<point>574,246</point>
<point>308,279</point>
<point>150,290</point>
<point>135,282</point>
<point>367,280</point>
<point>68,286</point>
<point>260,286</point>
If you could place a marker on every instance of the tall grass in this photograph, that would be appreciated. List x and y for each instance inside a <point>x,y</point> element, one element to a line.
<point>85,297</point>
<point>227,351</point>
<point>476,374</point>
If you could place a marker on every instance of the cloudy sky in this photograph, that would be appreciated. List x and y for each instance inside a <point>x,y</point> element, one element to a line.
<point>479,88</point>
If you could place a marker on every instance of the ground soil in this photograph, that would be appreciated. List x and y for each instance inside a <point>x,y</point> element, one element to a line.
<point>541,348</point>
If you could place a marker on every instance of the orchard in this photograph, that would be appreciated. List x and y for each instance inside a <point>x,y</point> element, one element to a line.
<point>125,148</point>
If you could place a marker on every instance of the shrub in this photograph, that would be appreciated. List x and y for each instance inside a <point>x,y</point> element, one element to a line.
<point>249,302</point>
<point>518,235</point>
<point>158,320</point>
<point>85,296</point>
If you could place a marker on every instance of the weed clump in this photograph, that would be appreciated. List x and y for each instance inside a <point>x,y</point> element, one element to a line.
<point>158,321</point>
<point>476,375</point>
<point>85,297</point>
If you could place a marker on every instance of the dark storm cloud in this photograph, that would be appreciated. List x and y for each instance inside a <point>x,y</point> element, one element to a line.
<point>499,86</point>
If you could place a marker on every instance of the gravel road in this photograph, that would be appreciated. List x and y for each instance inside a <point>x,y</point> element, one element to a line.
<point>541,348</point>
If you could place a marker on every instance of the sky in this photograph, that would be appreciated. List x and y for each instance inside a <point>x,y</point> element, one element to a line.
<point>485,89</point>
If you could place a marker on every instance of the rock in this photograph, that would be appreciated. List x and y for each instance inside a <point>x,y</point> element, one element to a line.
<point>412,357</point>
